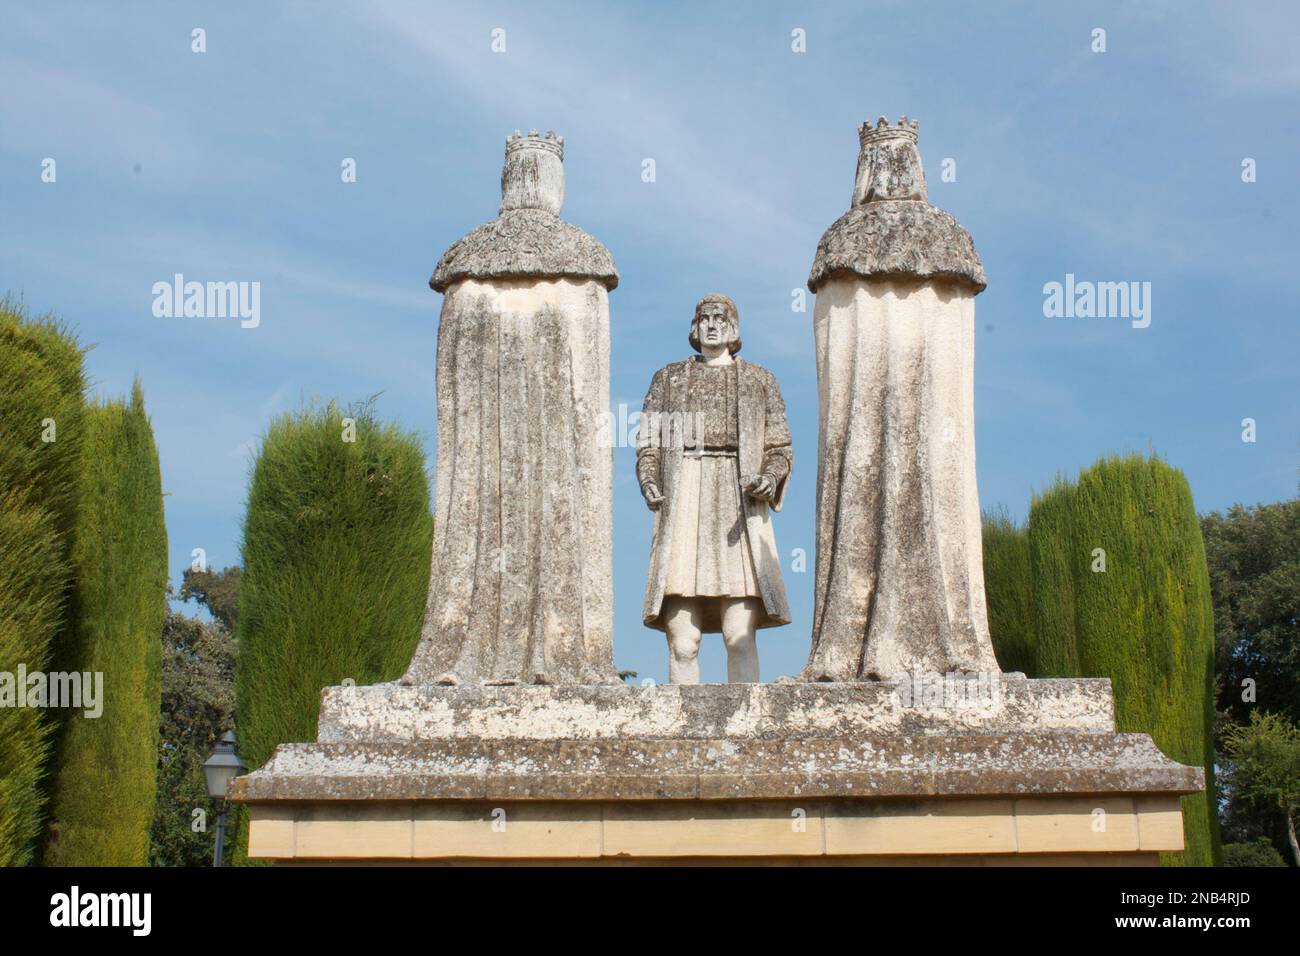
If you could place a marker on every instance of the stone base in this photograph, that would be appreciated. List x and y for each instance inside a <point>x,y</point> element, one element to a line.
<point>1007,703</point>
<point>813,773</point>
<point>1002,831</point>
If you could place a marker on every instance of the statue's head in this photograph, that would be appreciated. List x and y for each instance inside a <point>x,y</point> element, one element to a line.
<point>716,322</point>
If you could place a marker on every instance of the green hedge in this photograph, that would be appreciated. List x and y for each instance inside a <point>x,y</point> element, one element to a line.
<point>105,768</point>
<point>1009,589</point>
<point>1146,622</point>
<point>336,551</point>
<point>42,380</point>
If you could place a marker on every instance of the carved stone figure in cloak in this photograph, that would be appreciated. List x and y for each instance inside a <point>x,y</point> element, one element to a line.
<point>900,581</point>
<point>520,591</point>
<point>713,462</point>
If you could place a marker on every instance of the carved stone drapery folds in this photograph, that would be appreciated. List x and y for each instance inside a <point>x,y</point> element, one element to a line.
<point>521,586</point>
<point>899,581</point>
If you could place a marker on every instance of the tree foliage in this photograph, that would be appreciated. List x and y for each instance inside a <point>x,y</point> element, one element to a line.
<point>336,552</point>
<point>198,702</point>
<point>1258,852</point>
<point>42,394</point>
<point>104,780</point>
<point>1254,560</point>
<point>1121,590</point>
<point>1009,589</point>
<point>218,591</point>
<point>1264,768</point>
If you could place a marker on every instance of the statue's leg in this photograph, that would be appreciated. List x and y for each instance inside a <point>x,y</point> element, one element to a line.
<point>681,616</point>
<point>739,625</point>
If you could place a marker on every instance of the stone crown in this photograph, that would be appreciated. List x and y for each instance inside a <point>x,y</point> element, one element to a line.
<point>889,163</point>
<point>891,229</point>
<point>528,240</point>
<point>869,135</point>
<point>534,140</point>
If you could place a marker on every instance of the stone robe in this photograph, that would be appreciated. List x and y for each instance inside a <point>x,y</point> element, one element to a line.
<point>762,430</point>
<point>900,576</point>
<point>521,583</point>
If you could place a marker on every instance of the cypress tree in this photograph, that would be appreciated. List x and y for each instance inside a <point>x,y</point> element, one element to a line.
<point>42,386</point>
<point>1009,589</point>
<point>1121,590</point>
<point>105,768</point>
<point>336,551</point>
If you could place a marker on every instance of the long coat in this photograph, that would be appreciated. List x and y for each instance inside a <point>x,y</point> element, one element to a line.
<point>762,430</point>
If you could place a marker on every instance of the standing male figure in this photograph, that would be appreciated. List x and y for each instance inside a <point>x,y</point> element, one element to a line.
<point>713,460</point>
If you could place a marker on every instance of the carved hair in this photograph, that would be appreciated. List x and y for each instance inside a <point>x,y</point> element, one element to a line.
<point>732,313</point>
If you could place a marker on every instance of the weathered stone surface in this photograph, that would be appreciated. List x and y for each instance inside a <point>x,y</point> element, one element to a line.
<point>734,741</point>
<point>533,174</point>
<point>891,230</point>
<point>521,584</point>
<point>899,584</point>
<point>632,769</point>
<point>525,244</point>
<point>528,240</point>
<point>897,238</point>
<point>713,487</point>
<point>390,713</point>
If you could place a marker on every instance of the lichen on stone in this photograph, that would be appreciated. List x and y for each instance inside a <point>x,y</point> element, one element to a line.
<point>901,238</point>
<point>525,243</point>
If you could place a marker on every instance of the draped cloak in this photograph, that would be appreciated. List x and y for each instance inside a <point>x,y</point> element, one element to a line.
<point>762,430</point>
<point>899,582</point>
<point>521,582</point>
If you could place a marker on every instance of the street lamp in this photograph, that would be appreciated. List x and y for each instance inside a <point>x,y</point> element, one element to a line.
<point>220,769</point>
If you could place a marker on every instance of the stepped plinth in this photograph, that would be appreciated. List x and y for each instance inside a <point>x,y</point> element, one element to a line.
<point>1005,771</point>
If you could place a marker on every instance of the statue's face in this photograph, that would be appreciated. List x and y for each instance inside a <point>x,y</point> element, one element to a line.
<point>715,328</point>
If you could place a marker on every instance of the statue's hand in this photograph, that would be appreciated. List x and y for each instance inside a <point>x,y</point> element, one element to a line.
<point>653,499</point>
<point>762,488</point>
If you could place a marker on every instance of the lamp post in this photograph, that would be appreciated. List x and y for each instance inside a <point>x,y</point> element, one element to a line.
<point>220,769</point>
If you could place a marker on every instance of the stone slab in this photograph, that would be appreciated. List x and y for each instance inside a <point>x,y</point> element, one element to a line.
<point>996,831</point>
<point>1079,824</point>
<point>1008,704</point>
<point>715,828</point>
<point>633,769</point>
<point>919,826</point>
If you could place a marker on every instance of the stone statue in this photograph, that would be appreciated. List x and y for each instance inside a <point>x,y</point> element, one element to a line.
<point>899,581</point>
<point>713,460</point>
<point>520,590</point>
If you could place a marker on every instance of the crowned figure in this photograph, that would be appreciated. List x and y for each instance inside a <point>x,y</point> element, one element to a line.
<point>899,585</point>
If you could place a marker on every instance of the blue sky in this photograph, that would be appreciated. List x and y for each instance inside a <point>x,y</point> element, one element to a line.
<point>224,165</point>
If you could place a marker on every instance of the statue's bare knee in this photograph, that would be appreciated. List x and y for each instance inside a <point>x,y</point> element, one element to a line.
<point>739,624</point>
<point>681,617</point>
<point>740,621</point>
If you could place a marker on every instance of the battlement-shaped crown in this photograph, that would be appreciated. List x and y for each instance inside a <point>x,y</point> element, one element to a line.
<point>889,163</point>
<point>534,140</point>
<point>882,131</point>
<point>533,174</point>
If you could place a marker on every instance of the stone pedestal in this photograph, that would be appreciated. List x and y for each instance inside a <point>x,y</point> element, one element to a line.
<point>1012,771</point>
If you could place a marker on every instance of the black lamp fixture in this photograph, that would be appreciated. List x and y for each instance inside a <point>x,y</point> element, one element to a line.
<point>220,769</point>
